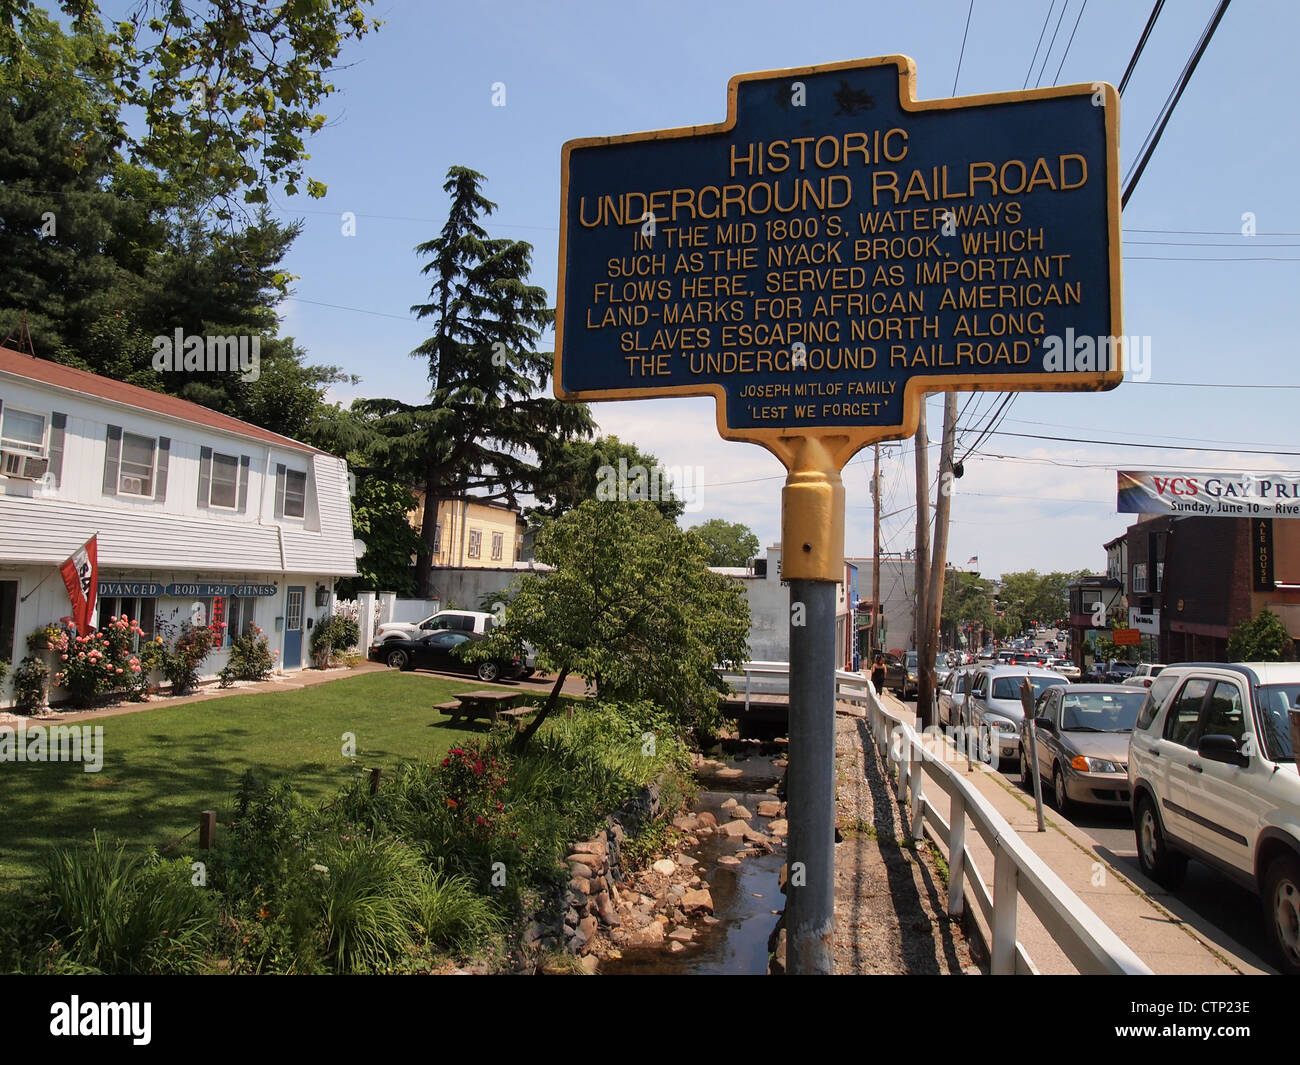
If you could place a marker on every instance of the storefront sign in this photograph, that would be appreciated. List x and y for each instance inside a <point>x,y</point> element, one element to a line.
<point>130,589</point>
<point>1126,637</point>
<point>200,590</point>
<point>1261,553</point>
<point>1147,623</point>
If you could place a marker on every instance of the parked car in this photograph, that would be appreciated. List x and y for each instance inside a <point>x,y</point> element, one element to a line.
<point>1213,777</point>
<point>1113,671</point>
<point>994,703</point>
<point>474,621</point>
<point>1145,673</point>
<point>900,674</point>
<point>442,651</point>
<point>952,696</point>
<point>1083,734</point>
<point>1066,668</point>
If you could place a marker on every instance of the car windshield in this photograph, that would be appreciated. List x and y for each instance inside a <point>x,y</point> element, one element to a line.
<point>1009,687</point>
<point>1101,711</point>
<point>1274,701</point>
<point>909,659</point>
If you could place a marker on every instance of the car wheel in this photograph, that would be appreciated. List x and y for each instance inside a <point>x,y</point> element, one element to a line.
<point>1060,800</point>
<point>1162,865</point>
<point>1282,910</point>
<point>1026,773</point>
<point>396,659</point>
<point>488,671</point>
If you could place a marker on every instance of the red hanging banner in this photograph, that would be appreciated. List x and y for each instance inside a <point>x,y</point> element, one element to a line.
<point>81,575</point>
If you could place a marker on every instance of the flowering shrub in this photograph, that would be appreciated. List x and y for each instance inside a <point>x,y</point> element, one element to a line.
<point>31,685</point>
<point>190,646</point>
<point>100,662</point>
<point>250,656</point>
<point>472,780</point>
<point>49,637</point>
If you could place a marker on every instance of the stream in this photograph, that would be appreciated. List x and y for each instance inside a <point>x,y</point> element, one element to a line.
<point>744,895</point>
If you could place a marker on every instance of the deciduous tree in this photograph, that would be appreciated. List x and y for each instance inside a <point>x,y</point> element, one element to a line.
<point>631,607</point>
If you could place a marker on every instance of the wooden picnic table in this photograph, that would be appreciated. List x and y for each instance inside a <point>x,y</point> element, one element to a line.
<point>487,703</point>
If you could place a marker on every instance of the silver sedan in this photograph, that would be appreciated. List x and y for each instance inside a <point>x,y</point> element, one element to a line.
<point>1083,733</point>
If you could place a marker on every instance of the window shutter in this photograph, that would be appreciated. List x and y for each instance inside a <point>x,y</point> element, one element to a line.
<point>160,480</point>
<point>111,459</point>
<point>58,424</point>
<point>279,489</point>
<point>205,474</point>
<point>243,483</point>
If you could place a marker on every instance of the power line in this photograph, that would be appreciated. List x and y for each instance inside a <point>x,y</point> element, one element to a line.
<point>1142,43</point>
<point>1181,84</point>
<point>1210,232</point>
<point>962,53</point>
<point>1207,384</point>
<point>1215,258</point>
<point>1034,58</point>
<point>1048,55</point>
<point>1082,8</point>
<point>1136,443</point>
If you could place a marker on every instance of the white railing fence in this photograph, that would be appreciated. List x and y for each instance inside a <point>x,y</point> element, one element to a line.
<point>1018,873</point>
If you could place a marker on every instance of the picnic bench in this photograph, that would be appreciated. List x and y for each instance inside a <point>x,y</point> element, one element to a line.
<point>494,705</point>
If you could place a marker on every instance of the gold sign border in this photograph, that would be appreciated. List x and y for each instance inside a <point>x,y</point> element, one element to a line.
<point>844,441</point>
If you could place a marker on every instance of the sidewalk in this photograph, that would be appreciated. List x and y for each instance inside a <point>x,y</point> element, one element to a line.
<point>890,897</point>
<point>1167,943</point>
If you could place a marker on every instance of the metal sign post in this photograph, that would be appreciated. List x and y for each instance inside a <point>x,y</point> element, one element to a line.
<point>817,262</point>
<point>1031,727</point>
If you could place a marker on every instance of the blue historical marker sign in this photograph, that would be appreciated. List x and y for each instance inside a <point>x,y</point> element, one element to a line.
<point>837,248</point>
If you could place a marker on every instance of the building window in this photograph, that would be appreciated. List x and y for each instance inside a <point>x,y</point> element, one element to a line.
<point>475,543</point>
<point>290,493</point>
<point>1140,577</point>
<point>135,474</point>
<point>224,487</point>
<point>239,616</point>
<point>141,611</point>
<point>498,546</point>
<point>437,540</point>
<point>23,432</point>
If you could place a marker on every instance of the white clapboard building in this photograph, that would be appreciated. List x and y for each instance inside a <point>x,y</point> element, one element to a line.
<point>198,515</point>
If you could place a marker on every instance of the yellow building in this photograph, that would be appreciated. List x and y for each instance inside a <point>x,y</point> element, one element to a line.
<point>473,533</point>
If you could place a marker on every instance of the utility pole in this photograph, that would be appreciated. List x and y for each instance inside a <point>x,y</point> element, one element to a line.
<point>938,566</point>
<point>875,558</point>
<point>921,445</point>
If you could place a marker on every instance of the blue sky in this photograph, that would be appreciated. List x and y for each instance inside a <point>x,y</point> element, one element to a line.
<point>417,98</point>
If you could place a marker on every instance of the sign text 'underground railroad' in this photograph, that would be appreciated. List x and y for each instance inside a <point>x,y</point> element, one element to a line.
<point>834,241</point>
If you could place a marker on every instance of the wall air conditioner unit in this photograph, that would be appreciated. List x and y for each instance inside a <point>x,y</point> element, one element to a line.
<point>28,467</point>
<point>133,486</point>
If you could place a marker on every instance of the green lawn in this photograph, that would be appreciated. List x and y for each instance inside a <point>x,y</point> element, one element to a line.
<point>165,764</point>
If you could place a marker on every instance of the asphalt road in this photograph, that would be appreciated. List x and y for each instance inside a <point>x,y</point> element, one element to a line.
<point>1209,895</point>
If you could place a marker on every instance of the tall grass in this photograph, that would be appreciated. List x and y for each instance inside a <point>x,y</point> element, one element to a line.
<point>115,913</point>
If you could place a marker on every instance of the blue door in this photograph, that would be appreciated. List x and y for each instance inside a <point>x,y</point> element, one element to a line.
<point>293,628</point>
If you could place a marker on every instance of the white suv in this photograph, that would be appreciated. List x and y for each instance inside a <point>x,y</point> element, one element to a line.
<point>1145,673</point>
<point>456,620</point>
<point>1212,777</point>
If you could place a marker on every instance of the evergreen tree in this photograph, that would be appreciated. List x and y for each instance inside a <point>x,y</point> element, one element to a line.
<point>487,410</point>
